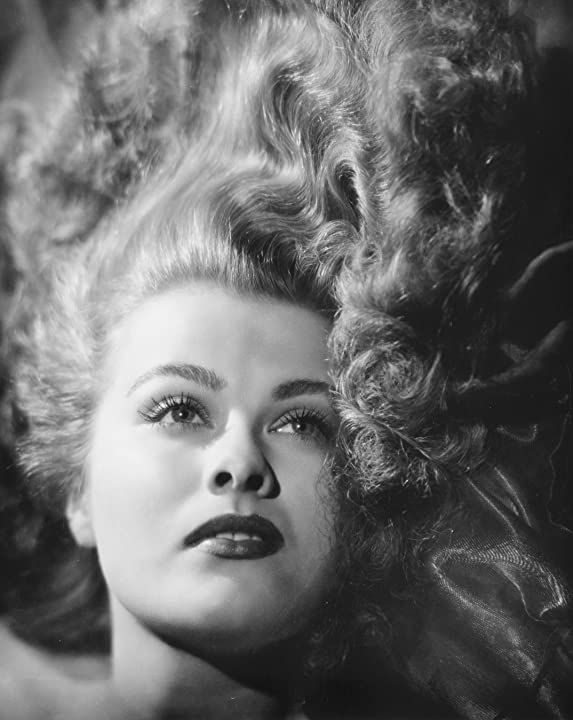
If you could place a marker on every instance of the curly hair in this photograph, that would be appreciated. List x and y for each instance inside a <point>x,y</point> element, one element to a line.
<point>468,176</point>
<point>207,141</point>
<point>387,146</point>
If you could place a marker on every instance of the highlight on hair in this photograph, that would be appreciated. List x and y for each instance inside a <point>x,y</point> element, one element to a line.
<point>385,146</point>
<point>461,200</point>
<point>207,141</point>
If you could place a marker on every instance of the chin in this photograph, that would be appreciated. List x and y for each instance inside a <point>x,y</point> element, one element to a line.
<point>220,640</point>
<point>229,625</point>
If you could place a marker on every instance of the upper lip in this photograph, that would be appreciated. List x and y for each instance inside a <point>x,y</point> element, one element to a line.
<point>248,524</point>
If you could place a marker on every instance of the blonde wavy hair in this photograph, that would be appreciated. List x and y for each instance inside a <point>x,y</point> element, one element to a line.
<point>202,140</point>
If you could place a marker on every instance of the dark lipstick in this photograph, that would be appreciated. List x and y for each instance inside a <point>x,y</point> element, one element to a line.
<point>237,537</point>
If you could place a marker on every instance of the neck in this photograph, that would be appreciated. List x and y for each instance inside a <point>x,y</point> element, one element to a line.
<point>155,680</point>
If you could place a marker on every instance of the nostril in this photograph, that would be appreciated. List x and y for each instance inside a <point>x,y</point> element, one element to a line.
<point>260,483</point>
<point>222,479</point>
<point>255,482</point>
<point>266,486</point>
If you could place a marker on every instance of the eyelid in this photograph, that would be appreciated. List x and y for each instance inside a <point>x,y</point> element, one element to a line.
<point>319,417</point>
<point>156,410</point>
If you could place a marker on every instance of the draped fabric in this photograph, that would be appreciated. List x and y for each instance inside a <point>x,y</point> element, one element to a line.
<point>492,631</point>
<point>486,631</point>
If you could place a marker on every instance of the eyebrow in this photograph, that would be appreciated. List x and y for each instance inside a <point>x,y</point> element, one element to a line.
<point>195,373</point>
<point>294,388</point>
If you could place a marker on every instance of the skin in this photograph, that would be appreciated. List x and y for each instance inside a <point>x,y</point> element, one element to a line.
<point>170,452</point>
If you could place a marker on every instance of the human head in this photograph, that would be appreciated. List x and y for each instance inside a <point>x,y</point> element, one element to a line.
<point>259,220</point>
<point>206,227</point>
<point>214,413</point>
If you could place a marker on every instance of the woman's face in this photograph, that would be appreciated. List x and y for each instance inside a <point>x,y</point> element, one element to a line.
<point>203,495</point>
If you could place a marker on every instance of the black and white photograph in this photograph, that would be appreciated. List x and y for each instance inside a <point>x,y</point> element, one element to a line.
<point>286,359</point>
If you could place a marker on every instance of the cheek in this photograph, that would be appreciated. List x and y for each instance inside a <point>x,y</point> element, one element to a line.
<point>135,482</point>
<point>310,509</point>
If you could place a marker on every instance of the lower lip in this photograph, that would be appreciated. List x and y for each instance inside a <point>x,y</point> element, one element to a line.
<point>237,549</point>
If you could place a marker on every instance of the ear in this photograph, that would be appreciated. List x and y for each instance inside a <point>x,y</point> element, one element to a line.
<point>79,519</point>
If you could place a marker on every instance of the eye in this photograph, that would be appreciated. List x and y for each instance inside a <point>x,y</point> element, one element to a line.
<point>306,423</point>
<point>171,411</point>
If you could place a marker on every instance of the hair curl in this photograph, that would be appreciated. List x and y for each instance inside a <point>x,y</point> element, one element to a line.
<point>206,140</point>
<point>464,200</point>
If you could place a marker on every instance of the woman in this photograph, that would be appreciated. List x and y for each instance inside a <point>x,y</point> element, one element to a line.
<point>169,371</point>
<point>197,465</point>
<point>410,461</point>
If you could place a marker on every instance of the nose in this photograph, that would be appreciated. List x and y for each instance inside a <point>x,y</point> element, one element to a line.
<point>239,464</point>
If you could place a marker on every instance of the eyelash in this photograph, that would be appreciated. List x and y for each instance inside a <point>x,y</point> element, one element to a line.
<point>159,409</point>
<point>317,419</point>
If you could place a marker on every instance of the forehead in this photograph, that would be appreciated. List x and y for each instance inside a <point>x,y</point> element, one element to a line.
<point>237,336</point>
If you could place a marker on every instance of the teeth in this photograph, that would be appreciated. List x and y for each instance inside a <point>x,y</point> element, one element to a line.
<point>241,536</point>
<point>238,536</point>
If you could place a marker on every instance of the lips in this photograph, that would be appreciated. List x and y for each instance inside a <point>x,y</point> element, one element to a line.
<point>238,537</point>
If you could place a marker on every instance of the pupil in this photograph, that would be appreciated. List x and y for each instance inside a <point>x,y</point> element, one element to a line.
<point>300,426</point>
<point>181,413</point>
